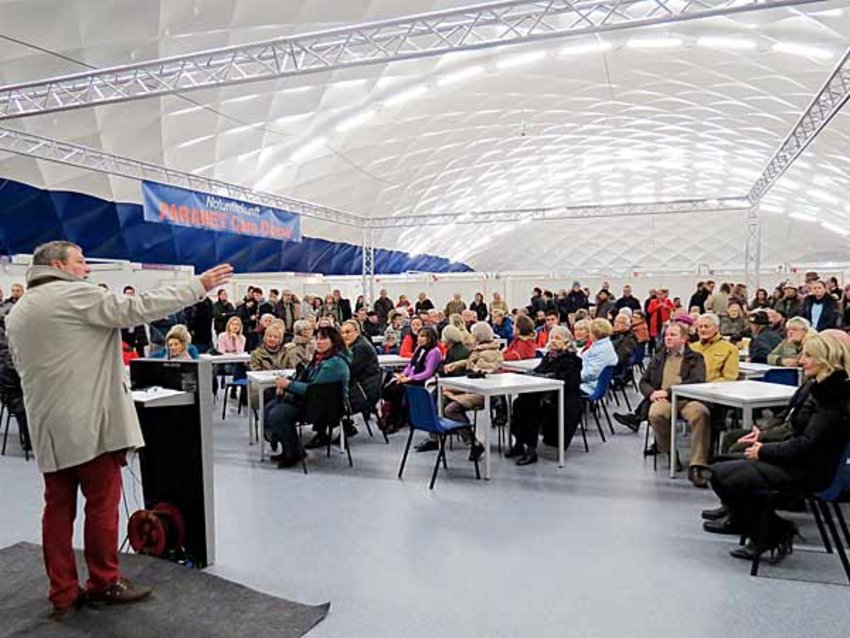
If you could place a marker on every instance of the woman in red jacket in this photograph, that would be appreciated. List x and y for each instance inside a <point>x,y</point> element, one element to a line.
<point>410,340</point>
<point>659,311</point>
<point>524,343</point>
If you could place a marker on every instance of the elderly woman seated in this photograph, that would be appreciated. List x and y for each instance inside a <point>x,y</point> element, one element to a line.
<point>787,353</point>
<point>535,411</point>
<point>178,345</point>
<point>364,386</point>
<point>300,350</point>
<point>503,326</point>
<point>524,343</point>
<point>328,365</point>
<point>805,462</point>
<point>485,357</point>
<point>734,323</point>
<point>423,366</point>
<point>269,355</point>
<point>598,355</point>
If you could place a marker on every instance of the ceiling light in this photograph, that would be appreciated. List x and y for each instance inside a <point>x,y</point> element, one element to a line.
<point>459,76</point>
<point>839,230</point>
<point>355,120</point>
<point>296,89</point>
<point>518,60</point>
<point>307,149</point>
<point>803,217</point>
<point>591,47</point>
<point>241,98</point>
<point>802,50</point>
<point>738,44</point>
<point>191,109</point>
<point>404,96</point>
<point>240,129</point>
<point>654,43</point>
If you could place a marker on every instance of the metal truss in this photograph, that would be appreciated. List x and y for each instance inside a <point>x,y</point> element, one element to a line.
<point>677,207</point>
<point>752,253</point>
<point>825,105</point>
<point>368,268</point>
<point>100,161</point>
<point>430,34</point>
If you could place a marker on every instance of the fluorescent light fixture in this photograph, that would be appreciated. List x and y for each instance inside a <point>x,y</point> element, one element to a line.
<point>654,43</point>
<point>296,89</point>
<point>519,60</point>
<point>590,47</point>
<point>460,75</point>
<point>308,149</point>
<point>802,50</point>
<point>242,98</point>
<point>355,120</point>
<point>197,140</point>
<point>737,44</point>
<point>240,129</point>
<point>404,96</point>
<point>803,217</point>
<point>839,230</point>
<point>191,109</point>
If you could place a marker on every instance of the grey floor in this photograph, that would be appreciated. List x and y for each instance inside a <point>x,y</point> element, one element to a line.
<point>604,547</point>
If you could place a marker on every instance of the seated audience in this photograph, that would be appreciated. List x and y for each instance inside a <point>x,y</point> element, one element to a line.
<point>524,344</point>
<point>423,304</point>
<point>721,357</point>
<point>364,385</point>
<point>623,339</point>
<point>761,301</point>
<point>423,366</point>
<point>787,353</point>
<point>269,355</point>
<point>790,304</point>
<point>392,335</point>
<point>456,350</point>
<point>231,340</point>
<point>178,345</point>
<point>328,365</point>
<point>372,326</point>
<point>300,350</point>
<point>639,327</point>
<point>765,338</point>
<point>733,324</point>
<point>533,412</point>
<point>552,319</point>
<point>485,357</point>
<point>806,461</point>
<point>502,325</point>
<point>457,321</point>
<point>410,341</point>
<point>598,355</point>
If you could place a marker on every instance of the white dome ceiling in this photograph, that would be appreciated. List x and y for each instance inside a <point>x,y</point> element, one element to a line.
<point>691,110</point>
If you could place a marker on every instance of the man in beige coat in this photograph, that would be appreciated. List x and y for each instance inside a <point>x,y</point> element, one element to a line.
<point>65,339</point>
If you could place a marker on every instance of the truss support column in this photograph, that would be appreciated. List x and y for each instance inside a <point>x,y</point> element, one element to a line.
<point>752,256</point>
<point>368,268</point>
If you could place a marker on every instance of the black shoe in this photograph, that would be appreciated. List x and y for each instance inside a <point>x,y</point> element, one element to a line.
<point>652,450</point>
<point>779,550</point>
<point>631,421</point>
<point>697,477</point>
<point>350,430</point>
<point>528,458</point>
<point>726,526</point>
<point>476,451</point>
<point>428,445</point>
<point>290,460</point>
<point>515,451</point>
<point>320,440</point>
<point>715,514</point>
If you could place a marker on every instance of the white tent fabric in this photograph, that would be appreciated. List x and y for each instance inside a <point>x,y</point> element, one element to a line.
<point>692,110</point>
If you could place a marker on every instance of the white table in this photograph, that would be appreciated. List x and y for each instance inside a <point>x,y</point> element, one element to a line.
<point>505,384</point>
<point>522,366</point>
<point>262,379</point>
<point>378,339</point>
<point>747,395</point>
<point>392,361</point>
<point>749,370</point>
<point>238,357</point>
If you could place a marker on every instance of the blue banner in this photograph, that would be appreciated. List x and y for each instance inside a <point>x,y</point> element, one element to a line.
<point>178,206</point>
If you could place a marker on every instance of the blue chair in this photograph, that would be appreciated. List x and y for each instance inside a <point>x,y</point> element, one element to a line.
<point>595,400</point>
<point>639,355</point>
<point>787,376</point>
<point>819,504</point>
<point>239,380</point>
<point>422,415</point>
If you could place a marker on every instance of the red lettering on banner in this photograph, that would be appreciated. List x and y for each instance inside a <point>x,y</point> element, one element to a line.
<point>163,210</point>
<point>184,215</point>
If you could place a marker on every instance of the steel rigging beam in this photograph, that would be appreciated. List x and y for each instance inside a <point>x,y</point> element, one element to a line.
<point>429,34</point>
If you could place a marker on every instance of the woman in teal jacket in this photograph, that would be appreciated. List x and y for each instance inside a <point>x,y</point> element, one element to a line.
<point>330,364</point>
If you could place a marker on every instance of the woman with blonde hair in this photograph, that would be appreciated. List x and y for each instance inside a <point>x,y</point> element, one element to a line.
<point>178,345</point>
<point>456,320</point>
<point>806,461</point>
<point>231,340</point>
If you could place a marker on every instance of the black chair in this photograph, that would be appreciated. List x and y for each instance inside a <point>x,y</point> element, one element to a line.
<point>23,431</point>
<point>325,407</point>
<point>239,380</point>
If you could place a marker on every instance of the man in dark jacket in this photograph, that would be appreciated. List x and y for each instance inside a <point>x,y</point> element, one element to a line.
<point>364,385</point>
<point>288,310</point>
<point>765,337</point>
<point>576,299</point>
<point>383,306</point>
<point>820,308</point>
<point>627,300</point>
<point>675,364</point>
<point>790,304</point>
<point>223,310</point>
<point>200,319</point>
<point>135,337</point>
<point>250,313</point>
<point>623,339</point>
<point>344,305</point>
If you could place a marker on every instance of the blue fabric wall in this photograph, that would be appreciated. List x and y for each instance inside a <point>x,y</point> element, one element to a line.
<point>30,216</point>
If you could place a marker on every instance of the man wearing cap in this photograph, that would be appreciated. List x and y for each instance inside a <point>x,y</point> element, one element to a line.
<point>765,337</point>
<point>789,305</point>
